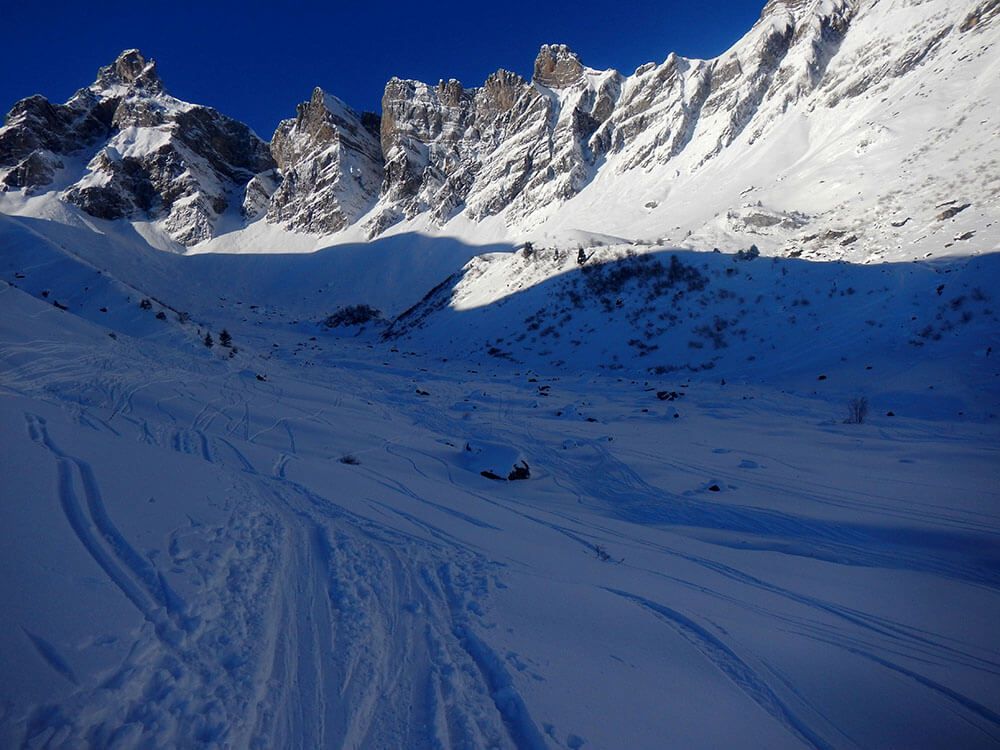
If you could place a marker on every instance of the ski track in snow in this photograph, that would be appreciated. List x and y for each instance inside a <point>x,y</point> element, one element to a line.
<point>341,661</point>
<point>732,666</point>
<point>299,545</point>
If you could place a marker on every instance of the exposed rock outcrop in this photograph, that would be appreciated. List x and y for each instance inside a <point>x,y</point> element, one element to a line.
<point>509,146</point>
<point>330,162</point>
<point>557,66</point>
<point>35,171</point>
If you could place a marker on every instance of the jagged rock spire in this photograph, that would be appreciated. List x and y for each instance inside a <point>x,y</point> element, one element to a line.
<point>130,69</point>
<point>557,66</point>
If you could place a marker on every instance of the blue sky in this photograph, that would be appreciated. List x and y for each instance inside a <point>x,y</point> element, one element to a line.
<point>255,61</point>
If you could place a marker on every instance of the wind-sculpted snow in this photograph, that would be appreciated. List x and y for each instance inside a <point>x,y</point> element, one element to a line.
<point>289,541</point>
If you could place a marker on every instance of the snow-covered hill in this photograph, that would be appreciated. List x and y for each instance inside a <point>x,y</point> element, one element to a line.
<point>290,542</point>
<point>663,311</point>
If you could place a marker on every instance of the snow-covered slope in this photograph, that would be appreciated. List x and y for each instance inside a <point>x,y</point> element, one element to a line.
<point>289,542</point>
<point>846,129</point>
<point>861,131</point>
<point>663,311</point>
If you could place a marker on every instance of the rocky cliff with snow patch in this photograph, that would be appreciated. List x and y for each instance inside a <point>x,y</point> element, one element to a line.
<point>330,166</point>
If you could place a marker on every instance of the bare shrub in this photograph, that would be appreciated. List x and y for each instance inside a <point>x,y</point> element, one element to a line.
<point>857,410</point>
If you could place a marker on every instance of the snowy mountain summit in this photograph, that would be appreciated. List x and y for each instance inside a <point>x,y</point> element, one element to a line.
<point>129,150</point>
<point>814,135</point>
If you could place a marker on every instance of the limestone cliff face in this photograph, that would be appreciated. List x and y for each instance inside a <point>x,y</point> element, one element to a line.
<point>520,148</point>
<point>330,166</point>
<point>557,66</point>
<point>508,146</point>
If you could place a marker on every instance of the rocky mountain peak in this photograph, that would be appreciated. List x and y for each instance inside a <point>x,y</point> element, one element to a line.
<point>450,92</point>
<point>791,6</point>
<point>557,66</point>
<point>329,168</point>
<point>131,70</point>
<point>150,157</point>
<point>500,92</point>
